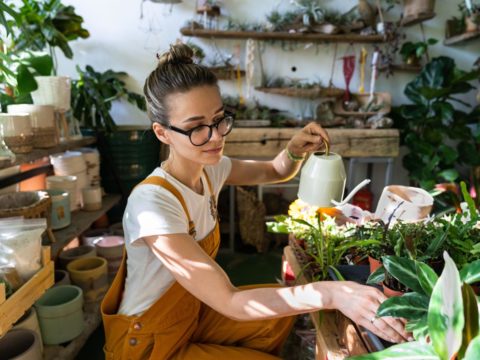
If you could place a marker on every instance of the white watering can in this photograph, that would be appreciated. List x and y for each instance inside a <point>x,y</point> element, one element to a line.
<point>322,180</point>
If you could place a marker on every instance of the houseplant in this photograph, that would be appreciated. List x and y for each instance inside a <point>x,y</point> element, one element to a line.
<point>470,15</point>
<point>413,52</point>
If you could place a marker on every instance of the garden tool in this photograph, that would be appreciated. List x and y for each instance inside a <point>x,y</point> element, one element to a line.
<point>363,60</point>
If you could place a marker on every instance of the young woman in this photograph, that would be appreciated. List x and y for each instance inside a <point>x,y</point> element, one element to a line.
<point>170,299</point>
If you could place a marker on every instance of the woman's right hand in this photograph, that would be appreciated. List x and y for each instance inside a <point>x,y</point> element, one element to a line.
<point>360,303</point>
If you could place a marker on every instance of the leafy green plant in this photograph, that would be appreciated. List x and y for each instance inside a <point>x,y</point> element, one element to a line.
<point>93,94</point>
<point>444,309</point>
<point>6,11</point>
<point>438,136</point>
<point>414,51</point>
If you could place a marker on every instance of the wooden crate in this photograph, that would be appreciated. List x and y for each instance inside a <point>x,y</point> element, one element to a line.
<point>14,307</point>
<point>337,336</point>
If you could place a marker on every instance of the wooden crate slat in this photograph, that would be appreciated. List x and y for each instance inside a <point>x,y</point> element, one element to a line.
<point>21,300</point>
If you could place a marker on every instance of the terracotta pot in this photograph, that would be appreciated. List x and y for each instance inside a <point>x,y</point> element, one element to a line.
<point>418,7</point>
<point>470,25</point>
<point>91,275</point>
<point>20,344</point>
<point>374,264</point>
<point>390,292</point>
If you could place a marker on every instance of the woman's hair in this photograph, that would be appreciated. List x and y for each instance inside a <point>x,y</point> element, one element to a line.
<point>175,73</point>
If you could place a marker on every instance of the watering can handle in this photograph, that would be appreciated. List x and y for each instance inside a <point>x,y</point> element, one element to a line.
<point>327,147</point>
<point>351,194</point>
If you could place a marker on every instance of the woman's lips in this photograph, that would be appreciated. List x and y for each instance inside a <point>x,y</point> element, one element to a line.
<point>215,150</point>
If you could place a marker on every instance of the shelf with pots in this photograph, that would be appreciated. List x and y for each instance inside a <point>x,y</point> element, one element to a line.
<point>462,38</point>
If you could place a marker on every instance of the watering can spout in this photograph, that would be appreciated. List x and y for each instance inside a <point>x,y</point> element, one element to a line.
<point>352,193</point>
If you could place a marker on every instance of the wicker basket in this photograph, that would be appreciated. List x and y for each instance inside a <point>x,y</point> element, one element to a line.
<point>251,219</point>
<point>29,204</point>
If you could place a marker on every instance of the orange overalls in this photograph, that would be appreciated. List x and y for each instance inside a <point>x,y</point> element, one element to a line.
<point>179,326</point>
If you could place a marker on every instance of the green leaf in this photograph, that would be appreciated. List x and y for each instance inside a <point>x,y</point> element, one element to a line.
<point>43,65</point>
<point>418,327</point>
<point>470,273</point>
<point>414,350</point>
<point>377,276</point>
<point>403,270</point>
<point>426,277</point>
<point>445,312</point>
<point>470,313</point>
<point>473,350</point>
<point>408,306</point>
<point>450,175</point>
<point>278,228</point>
<point>25,80</point>
<point>471,204</point>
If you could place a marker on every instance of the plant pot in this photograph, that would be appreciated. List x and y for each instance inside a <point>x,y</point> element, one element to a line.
<point>29,321</point>
<point>20,344</point>
<point>80,252</point>
<point>111,249</point>
<point>389,292</point>
<point>470,24</point>
<point>60,214</point>
<point>60,314</point>
<point>415,8</point>
<point>61,278</point>
<point>413,60</point>
<point>374,264</point>
<point>53,90</point>
<point>17,132</point>
<point>91,275</point>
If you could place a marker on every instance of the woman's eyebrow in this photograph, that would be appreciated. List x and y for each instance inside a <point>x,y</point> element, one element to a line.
<point>199,117</point>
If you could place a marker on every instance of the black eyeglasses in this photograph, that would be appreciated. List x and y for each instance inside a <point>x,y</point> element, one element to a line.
<point>201,134</point>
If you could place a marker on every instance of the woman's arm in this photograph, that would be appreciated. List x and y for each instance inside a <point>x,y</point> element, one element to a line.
<point>202,277</point>
<point>282,168</point>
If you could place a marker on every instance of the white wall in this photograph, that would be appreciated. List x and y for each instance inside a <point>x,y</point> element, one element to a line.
<point>120,40</point>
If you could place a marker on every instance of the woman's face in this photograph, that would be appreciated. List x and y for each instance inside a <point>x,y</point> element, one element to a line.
<point>199,106</point>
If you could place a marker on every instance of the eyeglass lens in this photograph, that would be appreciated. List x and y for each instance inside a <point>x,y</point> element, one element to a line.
<point>203,133</point>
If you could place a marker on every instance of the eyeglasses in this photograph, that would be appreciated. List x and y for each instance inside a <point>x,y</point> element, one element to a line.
<point>201,134</point>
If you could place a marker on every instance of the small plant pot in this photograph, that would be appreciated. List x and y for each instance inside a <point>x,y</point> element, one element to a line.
<point>20,344</point>
<point>413,60</point>
<point>60,314</point>
<point>61,278</point>
<point>91,275</point>
<point>389,292</point>
<point>470,24</point>
<point>374,264</point>
<point>111,249</point>
<point>29,321</point>
<point>80,252</point>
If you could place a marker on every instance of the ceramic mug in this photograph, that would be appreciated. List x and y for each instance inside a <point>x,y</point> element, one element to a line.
<point>92,198</point>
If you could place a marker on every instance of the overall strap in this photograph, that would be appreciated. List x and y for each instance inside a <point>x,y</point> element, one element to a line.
<point>208,182</point>
<point>157,180</point>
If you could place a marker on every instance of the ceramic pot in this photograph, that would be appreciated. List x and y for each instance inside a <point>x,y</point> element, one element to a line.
<point>91,236</point>
<point>29,321</point>
<point>20,344</point>
<point>17,132</point>
<point>389,292</point>
<point>62,278</point>
<point>111,249</point>
<point>374,264</point>
<point>53,90</point>
<point>60,214</point>
<point>117,229</point>
<point>90,274</point>
<point>60,314</point>
<point>80,252</point>
<point>470,24</point>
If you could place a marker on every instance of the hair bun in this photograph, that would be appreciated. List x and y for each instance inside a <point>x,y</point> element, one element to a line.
<point>178,54</point>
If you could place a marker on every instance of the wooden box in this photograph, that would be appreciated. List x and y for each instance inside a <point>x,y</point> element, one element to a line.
<point>337,336</point>
<point>14,307</point>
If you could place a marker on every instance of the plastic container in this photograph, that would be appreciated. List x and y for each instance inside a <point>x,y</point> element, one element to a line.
<point>60,314</point>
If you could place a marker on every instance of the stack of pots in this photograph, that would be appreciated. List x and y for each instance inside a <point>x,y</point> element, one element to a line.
<point>60,314</point>
<point>66,183</point>
<point>72,163</point>
<point>42,120</point>
<point>92,159</point>
<point>17,133</point>
<point>111,249</point>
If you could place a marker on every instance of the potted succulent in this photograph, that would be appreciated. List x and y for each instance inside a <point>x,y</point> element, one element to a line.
<point>413,52</point>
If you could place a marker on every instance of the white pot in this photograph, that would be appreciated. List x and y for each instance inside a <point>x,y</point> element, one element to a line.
<point>53,90</point>
<point>40,115</point>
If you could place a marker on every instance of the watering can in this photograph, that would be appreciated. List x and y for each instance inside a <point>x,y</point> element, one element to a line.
<point>322,180</point>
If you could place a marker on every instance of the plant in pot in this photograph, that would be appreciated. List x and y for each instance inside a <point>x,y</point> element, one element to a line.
<point>413,52</point>
<point>444,311</point>
<point>470,15</point>
<point>438,136</point>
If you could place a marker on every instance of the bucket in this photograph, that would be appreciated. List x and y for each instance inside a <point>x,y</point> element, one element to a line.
<point>20,344</point>
<point>60,314</point>
<point>90,274</point>
<point>61,278</point>
<point>111,248</point>
<point>60,214</point>
<point>29,321</point>
<point>80,252</point>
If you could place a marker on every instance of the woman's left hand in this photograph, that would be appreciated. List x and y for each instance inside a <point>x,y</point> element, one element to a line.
<point>311,138</point>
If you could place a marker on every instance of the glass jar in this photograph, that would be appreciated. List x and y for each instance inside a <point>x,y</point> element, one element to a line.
<point>17,132</point>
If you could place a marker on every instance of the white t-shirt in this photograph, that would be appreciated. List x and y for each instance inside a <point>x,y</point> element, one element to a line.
<point>153,210</point>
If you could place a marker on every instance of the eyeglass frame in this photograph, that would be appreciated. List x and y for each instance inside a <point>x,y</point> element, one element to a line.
<point>210,128</point>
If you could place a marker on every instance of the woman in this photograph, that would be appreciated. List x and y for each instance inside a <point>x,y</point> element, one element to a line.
<point>170,300</point>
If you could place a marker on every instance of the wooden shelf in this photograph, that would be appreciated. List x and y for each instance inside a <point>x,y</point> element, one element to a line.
<point>404,67</point>
<point>416,19</point>
<point>282,36</point>
<point>14,307</point>
<point>81,221</point>
<point>92,320</point>
<point>40,153</point>
<point>458,39</point>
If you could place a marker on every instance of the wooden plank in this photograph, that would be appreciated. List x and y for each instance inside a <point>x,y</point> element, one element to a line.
<point>81,221</point>
<point>21,300</point>
<point>282,36</point>
<point>337,336</point>
<point>268,142</point>
<point>458,39</point>
<point>64,146</point>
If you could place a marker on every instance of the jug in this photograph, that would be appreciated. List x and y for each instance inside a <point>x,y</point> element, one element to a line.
<point>322,180</point>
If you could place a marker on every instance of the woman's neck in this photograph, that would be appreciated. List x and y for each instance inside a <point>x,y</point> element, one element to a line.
<point>186,172</point>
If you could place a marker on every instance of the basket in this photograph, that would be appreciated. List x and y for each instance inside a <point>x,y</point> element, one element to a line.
<point>251,214</point>
<point>379,98</point>
<point>30,205</point>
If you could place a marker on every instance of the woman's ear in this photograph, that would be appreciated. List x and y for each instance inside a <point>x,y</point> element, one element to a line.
<point>161,133</point>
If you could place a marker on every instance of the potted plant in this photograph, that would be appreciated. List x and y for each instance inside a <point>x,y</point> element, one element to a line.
<point>413,52</point>
<point>471,15</point>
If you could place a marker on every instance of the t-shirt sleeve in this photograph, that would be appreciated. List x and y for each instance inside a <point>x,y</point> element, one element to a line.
<point>152,210</point>
<point>219,173</point>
